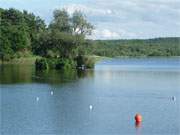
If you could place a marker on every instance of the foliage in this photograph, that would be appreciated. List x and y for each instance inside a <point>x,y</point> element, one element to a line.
<point>18,31</point>
<point>63,43</point>
<point>65,64</point>
<point>54,63</point>
<point>80,26</point>
<point>146,47</point>
<point>61,21</point>
<point>85,61</point>
<point>64,39</point>
<point>41,64</point>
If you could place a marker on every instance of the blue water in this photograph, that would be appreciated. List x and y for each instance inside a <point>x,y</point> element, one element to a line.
<point>117,89</point>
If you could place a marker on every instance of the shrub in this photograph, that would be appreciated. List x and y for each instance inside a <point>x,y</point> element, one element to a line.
<point>86,61</point>
<point>7,57</point>
<point>80,61</point>
<point>69,63</point>
<point>41,64</point>
<point>89,62</point>
<point>52,62</point>
<point>65,64</point>
<point>59,64</point>
<point>55,63</point>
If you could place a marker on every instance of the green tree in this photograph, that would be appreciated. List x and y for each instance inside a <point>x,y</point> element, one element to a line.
<point>80,25</point>
<point>61,21</point>
<point>19,31</point>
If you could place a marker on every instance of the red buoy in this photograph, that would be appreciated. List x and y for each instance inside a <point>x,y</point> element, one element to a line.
<point>138,118</point>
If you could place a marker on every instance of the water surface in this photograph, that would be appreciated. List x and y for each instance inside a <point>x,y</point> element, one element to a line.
<point>57,102</point>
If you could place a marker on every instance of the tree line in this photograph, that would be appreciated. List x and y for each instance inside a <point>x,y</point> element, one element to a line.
<point>136,47</point>
<point>23,34</point>
<point>23,31</point>
<point>63,41</point>
<point>19,32</point>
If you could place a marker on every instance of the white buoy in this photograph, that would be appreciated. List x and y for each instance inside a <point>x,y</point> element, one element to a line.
<point>174,98</point>
<point>90,107</point>
<point>37,98</point>
<point>52,92</point>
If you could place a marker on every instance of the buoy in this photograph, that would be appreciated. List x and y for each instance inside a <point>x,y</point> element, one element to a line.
<point>174,98</point>
<point>138,118</point>
<point>52,93</point>
<point>90,107</point>
<point>37,98</point>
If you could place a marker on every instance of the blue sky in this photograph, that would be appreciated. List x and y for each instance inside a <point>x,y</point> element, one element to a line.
<point>114,19</point>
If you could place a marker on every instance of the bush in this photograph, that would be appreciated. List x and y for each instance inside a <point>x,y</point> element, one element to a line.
<point>80,61</point>
<point>69,63</point>
<point>54,63</point>
<point>65,64</point>
<point>85,61</point>
<point>89,62</point>
<point>51,54</point>
<point>41,64</point>
<point>59,64</point>
<point>7,57</point>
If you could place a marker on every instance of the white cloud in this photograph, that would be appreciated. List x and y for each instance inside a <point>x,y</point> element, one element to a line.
<point>86,9</point>
<point>105,34</point>
<point>115,18</point>
<point>109,11</point>
<point>139,18</point>
<point>109,34</point>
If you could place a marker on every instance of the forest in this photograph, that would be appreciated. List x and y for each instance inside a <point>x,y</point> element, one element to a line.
<point>63,42</point>
<point>169,46</point>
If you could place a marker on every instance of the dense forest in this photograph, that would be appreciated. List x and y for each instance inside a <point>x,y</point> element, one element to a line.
<point>19,32</point>
<point>63,42</point>
<point>136,47</point>
<point>23,34</point>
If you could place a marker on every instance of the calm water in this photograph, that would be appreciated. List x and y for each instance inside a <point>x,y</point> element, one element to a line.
<point>57,102</point>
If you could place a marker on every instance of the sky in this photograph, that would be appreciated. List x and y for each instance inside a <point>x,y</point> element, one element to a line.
<point>113,19</point>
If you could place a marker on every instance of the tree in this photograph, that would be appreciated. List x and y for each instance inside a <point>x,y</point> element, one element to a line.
<point>80,29</point>
<point>68,32</point>
<point>61,21</point>
<point>19,31</point>
<point>80,26</point>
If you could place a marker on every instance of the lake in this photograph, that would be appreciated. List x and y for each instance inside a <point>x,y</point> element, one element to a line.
<point>94,102</point>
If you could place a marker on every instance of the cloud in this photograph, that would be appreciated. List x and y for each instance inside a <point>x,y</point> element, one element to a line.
<point>105,34</point>
<point>115,18</point>
<point>86,9</point>
<point>140,18</point>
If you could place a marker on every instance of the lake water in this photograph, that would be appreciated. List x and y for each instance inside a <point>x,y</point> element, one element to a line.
<point>58,102</point>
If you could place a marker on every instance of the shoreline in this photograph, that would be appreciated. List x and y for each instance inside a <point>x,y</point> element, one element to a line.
<point>31,60</point>
<point>21,61</point>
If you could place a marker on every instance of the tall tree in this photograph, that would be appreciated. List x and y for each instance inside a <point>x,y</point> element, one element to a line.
<point>61,21</point>
<point>80,29</point>
<point>19,31</point>
<point>80,25</point>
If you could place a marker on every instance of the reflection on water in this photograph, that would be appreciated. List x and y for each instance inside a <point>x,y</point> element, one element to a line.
<point>60,102</point>
<point>15,74</point>
<point>138,126</point>
<point>27,74</point>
